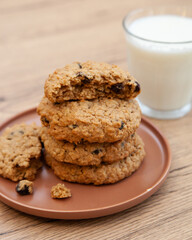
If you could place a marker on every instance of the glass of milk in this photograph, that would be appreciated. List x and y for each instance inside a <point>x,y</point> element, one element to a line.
<point>159,43</point>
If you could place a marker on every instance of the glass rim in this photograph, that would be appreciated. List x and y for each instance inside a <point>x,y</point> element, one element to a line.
<point>133,12</point>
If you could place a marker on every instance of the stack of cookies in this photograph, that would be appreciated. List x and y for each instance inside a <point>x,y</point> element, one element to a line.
<point>89,117</point>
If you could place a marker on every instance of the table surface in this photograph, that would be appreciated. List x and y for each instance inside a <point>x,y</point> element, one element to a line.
<point>38,36</point>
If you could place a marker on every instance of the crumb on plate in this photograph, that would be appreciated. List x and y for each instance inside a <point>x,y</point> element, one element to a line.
<point>60,191</point>
<point>24,187</point>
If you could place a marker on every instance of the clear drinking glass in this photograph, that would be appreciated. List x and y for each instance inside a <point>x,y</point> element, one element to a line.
<point>163,68</point>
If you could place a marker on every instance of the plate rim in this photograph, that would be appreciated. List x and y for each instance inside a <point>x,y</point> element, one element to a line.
<point>68,214</point>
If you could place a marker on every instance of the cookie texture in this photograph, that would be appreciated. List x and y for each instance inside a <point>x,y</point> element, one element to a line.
<point>102,174</point>
<point>60,191</point>
<point>98,120</point>
<point>20,152</point>
<point>90,80</point>
<point>88,153</point>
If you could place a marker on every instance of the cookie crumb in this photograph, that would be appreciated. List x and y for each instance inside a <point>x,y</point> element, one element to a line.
<point>60,191</point>
<point>24,187</point>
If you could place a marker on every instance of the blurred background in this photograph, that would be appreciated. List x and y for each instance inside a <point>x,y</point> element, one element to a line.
<point>38,36</point>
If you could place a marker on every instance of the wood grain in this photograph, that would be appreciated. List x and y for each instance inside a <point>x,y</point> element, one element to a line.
<point>38,36</point>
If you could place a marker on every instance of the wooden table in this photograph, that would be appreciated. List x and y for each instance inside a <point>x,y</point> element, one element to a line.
<point>39,36</point>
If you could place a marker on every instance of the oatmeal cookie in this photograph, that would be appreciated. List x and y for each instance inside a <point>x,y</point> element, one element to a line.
<point>90,80</point>
<point>102,174</point>
<point>98,120</point>
<point>20,152</point>
<point>88,153</point>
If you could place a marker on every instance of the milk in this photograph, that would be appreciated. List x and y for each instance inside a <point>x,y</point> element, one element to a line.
<point>163,68</point>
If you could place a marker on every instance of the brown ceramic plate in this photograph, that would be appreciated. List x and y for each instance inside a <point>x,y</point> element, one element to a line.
<point>90,201</point>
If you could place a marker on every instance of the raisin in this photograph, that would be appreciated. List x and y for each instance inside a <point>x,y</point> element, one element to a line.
<point>117,88</point>
<point>130,87</point>
<point>96,151</point>
<point>137,88</point>
<point>21,131</point>
<point>79,74</point>
<point>122,125</point>
<point>24,187</point>
<point>73,126</point>
<point>56,103</point>
<point>85,79</point>
<point>79,65</point>
<point>23,191</point>
<point>44,119</point>
<point>10,136</point>
<point>122,144</point>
